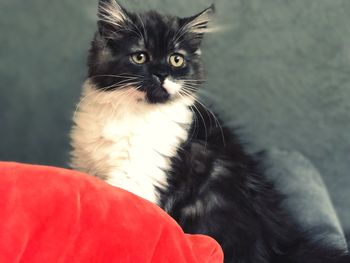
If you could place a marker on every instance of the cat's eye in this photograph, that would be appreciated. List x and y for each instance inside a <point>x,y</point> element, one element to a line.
<point>140,58</point>
<point>177,60</point>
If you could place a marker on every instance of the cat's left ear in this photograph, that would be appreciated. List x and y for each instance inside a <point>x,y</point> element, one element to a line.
<point>112,16</point>
<point>198,24</point>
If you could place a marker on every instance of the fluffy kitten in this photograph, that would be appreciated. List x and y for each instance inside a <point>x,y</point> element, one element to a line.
<point>139,127</point>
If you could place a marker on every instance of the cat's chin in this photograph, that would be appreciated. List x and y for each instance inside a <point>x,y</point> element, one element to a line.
<point>167,99</point>
<point>158,100</point>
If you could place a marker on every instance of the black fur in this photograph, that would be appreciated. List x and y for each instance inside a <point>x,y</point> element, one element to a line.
<point>219,190</point>
<point>215,187</point>
<point>149,32</point>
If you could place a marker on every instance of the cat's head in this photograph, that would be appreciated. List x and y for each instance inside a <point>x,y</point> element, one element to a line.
<point>159,55</point>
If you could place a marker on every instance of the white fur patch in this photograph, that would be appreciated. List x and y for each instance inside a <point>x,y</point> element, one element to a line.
<point>171,87</point>
<point>127,141</point>
<point>198,52</point>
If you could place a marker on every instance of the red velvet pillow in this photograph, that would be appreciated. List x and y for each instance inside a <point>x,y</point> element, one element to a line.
<point>50,214</point>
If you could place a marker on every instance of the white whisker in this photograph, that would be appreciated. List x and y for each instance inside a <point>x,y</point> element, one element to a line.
<point>217,122</point>
<point>200,115</point>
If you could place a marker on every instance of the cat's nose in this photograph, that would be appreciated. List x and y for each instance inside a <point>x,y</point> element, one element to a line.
<point>160,77</point>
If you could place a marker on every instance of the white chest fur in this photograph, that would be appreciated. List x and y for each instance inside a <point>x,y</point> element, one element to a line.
<point>127,141</point>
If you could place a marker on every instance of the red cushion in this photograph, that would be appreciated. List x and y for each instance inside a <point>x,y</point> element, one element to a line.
<point>49,214</point>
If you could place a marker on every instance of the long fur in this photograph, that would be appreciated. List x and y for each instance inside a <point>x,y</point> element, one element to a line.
<point>131,149</point>
<point>141,127</point>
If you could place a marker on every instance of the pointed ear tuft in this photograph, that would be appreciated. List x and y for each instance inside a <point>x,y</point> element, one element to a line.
<point>198,24</point>
<point>111,14</point>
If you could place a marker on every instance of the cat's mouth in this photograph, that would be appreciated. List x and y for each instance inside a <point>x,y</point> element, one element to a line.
<point>163,92</point>
<point>147,94</point>
<point>154,92</point>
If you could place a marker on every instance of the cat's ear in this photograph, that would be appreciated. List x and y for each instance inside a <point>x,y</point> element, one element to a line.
<point>111,17</point>
<point>198,25</point>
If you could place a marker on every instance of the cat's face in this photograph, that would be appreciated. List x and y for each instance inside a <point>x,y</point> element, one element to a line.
<point>155,54</point>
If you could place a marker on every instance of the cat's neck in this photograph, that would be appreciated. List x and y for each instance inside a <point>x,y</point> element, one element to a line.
<point>127,141</point>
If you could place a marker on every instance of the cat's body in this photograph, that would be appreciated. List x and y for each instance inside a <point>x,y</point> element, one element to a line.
<point>139,127</point>
<point>131,149</point>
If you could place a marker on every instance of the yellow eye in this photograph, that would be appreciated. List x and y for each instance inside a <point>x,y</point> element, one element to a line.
<point>139,57</point>
<point>177,60</point>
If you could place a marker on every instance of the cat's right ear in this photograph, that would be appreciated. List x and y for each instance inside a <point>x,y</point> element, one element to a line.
<point>112,17</point>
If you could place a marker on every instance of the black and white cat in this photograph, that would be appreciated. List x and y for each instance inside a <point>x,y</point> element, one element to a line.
<point>139,127</point>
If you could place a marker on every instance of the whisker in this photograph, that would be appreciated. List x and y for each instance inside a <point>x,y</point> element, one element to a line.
<point>217,123</point>
<point>134,91</point>
<point>143,27</point>
<point>122,75</point>
<point>194,80</point>
<point>190,88</point>
<point>121,98</point>
<point>120,85</point>
<point>180,33</point>
<point>113,76</point>
<point>201,116</point>
<point>100,90</point>
<point>195,124</point>
<point>81,100</point>
<point>78,105</point>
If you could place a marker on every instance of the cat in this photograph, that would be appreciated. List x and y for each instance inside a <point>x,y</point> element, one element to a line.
<point>139,126</point>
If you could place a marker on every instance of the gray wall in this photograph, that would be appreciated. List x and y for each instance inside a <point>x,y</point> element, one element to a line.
<point>280,71</point>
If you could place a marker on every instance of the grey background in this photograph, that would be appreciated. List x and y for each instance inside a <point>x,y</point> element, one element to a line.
<point>280,71</point>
